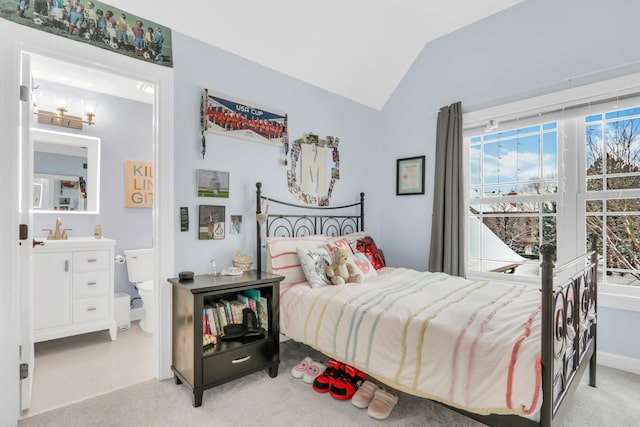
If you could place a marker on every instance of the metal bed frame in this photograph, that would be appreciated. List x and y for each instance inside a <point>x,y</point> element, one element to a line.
<point>569,309</point>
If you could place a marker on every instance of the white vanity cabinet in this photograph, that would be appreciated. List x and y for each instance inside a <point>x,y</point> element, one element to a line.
<point>73,287</point>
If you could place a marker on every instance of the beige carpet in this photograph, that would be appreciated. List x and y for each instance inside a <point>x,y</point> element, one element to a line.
<point>257,400</point>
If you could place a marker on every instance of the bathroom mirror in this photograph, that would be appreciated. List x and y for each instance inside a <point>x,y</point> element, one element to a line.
<point>66,170</point>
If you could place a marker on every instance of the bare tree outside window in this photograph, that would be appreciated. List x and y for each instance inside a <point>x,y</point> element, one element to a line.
<point>613,166</point>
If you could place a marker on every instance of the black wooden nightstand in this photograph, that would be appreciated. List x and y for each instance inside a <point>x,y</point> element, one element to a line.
<point>202,368</point>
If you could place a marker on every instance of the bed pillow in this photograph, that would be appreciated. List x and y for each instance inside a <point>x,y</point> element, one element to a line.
<point>282,257</point>
<point>365,266</point>
<point>314,262</point>
<point>337,242</point>
<point>364,243</point>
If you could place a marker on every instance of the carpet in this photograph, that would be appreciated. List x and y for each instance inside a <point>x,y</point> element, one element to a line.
<point>258,400</point>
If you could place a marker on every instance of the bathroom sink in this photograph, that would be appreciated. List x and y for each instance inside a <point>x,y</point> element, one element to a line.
<point>72,242</point>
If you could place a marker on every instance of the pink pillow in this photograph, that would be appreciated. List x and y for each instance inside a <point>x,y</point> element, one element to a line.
<point>282,257</point>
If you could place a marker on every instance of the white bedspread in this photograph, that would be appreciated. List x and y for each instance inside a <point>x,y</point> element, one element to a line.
<point>474,345</point>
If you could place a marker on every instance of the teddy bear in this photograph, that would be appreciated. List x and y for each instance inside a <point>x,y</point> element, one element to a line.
<point>342,270</point>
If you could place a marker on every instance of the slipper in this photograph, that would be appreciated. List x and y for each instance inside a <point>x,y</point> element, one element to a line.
<point>382,404</point>
<point>323,382</point>
<point>313,370</point>
<point>299,370</point>
<point>345,387</point>
<point>363,396</point>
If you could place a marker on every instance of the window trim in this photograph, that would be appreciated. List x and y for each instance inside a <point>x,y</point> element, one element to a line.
<point>575,100</point>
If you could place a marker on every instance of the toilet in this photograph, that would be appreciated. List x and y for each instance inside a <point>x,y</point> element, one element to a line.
<point>140,272</point>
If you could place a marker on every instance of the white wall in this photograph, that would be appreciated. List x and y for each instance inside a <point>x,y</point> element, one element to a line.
<point>534,48</point>
<point>125,129</point>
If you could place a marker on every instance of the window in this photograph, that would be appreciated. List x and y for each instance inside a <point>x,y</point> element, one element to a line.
<point>612,197</point>
<point>513,181</point>
<point>556,177</point>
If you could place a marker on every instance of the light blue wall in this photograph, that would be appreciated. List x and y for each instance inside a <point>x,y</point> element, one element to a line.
<point>125,130</point>
<point>198,66</point>
<point>614,330</point>
<point>534,48</point>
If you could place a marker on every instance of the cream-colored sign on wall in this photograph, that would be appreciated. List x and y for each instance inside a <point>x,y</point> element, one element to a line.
<point>138,184</point>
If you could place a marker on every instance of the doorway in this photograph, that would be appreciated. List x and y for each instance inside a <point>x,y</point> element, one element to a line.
<point>122,119</point>
<point>17,322</point>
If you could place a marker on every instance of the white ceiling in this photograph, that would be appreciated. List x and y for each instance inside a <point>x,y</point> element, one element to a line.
<point>359,49</point>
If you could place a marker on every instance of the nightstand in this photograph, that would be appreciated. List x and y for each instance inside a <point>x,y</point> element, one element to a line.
<point>202,368</point>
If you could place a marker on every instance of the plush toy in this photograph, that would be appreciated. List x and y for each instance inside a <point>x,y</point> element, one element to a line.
<point>342,270</point>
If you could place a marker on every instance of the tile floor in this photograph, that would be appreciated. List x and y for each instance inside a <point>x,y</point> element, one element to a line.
<point>72,369</point>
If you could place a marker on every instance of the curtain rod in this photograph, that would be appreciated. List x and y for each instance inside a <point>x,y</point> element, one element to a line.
<point>568,80</point>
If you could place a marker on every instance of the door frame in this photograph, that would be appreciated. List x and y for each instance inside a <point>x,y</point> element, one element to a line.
<point>41,43</point>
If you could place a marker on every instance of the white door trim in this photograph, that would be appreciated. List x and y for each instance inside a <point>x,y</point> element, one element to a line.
<point>24,38</point>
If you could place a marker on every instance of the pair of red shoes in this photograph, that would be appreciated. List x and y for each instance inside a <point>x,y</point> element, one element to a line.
<point>339,380</point>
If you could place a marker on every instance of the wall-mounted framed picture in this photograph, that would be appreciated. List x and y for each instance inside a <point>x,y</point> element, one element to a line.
<point>236,224</point>
<point>211,222</point>
<point>410,176</point>
<point>213,183</point>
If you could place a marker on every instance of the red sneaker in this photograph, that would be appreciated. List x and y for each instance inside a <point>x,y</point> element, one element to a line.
<point>345,387</point>
<point>323,382</point>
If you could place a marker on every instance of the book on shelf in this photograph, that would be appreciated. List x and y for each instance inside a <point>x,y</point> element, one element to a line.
<point>264,314</point>
<point>260,307</point>
<point>211,327</point>
<point>226,304</point>
<point>222,315</point>
<point>236,309</point>
<point>216,318</point>
<point>248,302</point>
<point>205,323</point>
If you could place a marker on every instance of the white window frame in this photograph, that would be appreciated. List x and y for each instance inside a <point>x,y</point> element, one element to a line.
<point>573,193</point>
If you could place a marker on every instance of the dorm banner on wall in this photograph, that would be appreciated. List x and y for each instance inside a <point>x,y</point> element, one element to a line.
<point>229,116</point>
<point>95,23</point>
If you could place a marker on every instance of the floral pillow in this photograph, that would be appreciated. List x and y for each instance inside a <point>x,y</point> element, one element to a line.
<point>314,262</point>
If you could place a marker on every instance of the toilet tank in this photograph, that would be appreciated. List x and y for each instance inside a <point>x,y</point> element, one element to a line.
<point>139,264</point>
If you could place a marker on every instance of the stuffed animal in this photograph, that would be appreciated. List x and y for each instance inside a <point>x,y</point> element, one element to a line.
<point>342,270</point>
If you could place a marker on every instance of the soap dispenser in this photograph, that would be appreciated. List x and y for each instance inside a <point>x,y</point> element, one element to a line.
<point>98,232</point>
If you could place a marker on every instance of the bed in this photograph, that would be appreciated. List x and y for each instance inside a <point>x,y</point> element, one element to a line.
<point>501,352</point>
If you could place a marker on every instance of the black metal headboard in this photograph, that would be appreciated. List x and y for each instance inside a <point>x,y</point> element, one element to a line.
<point>303,224</point>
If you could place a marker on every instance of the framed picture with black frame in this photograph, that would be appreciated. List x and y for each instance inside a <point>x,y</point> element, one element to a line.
<point>410,176</point>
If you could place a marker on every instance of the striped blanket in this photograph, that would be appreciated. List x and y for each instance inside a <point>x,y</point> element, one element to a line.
<point>474,345</point>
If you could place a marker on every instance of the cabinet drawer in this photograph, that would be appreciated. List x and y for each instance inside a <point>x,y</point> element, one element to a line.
<point>235,363</point>
<point>90,283</point>
<point>90,260</point>
<point>91,308</point>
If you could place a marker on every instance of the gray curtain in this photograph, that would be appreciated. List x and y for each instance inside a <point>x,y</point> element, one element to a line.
<point>447,230</point>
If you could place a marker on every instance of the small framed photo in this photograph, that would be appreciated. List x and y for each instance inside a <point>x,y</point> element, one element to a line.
<point>236,224</point>
<point>213,183</point>
<point>410,176</point>
<point>211,222</point>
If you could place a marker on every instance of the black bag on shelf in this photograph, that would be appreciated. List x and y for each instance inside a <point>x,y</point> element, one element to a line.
<point>247,329</point>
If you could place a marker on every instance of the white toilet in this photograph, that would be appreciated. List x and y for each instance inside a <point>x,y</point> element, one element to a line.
<point>140,272</point>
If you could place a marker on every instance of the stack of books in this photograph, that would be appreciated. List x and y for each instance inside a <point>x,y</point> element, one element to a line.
<point>218,314</point>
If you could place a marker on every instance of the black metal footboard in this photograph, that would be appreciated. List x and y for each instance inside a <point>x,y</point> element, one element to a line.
<point>569,315</point>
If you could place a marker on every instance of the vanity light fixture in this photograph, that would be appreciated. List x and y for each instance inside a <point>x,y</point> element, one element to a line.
<point>60,118</point>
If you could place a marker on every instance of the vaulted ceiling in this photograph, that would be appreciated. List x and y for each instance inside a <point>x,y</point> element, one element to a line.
<point>359,49</point>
